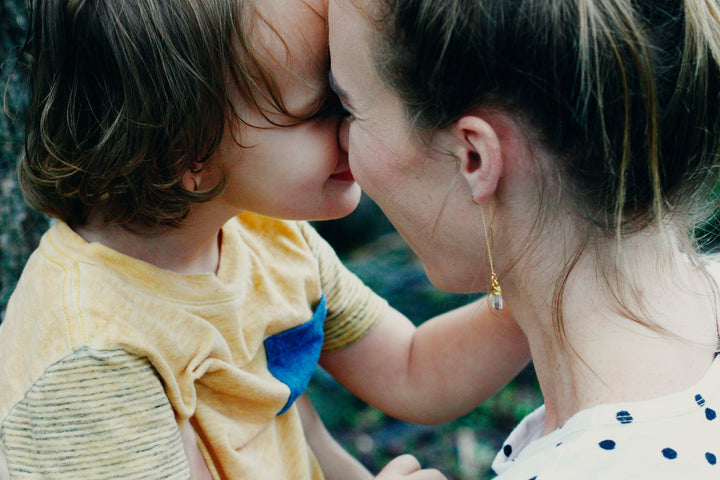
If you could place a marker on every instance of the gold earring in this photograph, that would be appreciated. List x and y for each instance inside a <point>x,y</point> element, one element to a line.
<point>496,299</point>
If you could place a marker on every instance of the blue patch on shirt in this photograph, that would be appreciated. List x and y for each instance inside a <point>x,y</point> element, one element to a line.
<point>292,355</point>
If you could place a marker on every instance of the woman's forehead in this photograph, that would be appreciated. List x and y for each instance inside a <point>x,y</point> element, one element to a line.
<point>353,64</point>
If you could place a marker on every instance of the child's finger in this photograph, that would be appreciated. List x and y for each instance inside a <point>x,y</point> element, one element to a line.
<point>403,465</point>
<point>408,467</point>
<point>427,474</point>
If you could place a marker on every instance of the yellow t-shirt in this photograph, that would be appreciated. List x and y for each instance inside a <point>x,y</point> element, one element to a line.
<point>104,356</point>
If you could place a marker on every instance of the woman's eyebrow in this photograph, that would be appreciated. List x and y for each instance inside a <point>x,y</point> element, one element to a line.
<point>336,88</point>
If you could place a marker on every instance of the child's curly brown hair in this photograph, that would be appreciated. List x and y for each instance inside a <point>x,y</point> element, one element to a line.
<point>128,95</point>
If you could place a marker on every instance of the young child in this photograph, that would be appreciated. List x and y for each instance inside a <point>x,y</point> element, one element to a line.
<point>169,138</point>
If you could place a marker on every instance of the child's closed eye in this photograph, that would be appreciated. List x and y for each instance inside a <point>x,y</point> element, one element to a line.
<point>331,107</point>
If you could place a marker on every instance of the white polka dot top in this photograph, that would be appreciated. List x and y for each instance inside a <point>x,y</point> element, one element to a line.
<point>675,437</point>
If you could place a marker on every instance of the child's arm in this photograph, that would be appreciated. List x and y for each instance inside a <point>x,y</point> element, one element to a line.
<point>335,461</point>
<point>95,413</point>
<point>198,467</point>
<point>4,472</point>
<point>338,464</point>
<point>407,467</point>
<point>435,372</point>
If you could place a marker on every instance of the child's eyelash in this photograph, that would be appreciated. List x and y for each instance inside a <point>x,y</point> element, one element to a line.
<point>332,106</point>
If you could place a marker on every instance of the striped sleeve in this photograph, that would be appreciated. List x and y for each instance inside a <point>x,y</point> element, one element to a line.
<point>96,415</point>
<point>352,307</point>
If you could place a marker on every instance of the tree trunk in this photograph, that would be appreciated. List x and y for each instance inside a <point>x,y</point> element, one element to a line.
<point>20,226</point>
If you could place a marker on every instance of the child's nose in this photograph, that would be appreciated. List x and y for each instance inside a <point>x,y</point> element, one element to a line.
<point>343,134</point>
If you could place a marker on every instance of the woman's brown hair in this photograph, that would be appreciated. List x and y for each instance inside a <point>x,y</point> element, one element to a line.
<point>625,95</point>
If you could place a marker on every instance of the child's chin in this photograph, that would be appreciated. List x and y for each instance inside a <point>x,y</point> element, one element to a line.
<point>343,205</point>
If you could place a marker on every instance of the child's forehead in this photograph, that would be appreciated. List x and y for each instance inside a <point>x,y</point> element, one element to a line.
<point>295,34</point>
<point>290,43</point>
<point>295,23</point>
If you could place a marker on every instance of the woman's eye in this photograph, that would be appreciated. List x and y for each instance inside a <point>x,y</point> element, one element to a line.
<point>344,112</point>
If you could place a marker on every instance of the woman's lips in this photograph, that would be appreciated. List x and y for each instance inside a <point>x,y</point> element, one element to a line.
<point>345,175</point>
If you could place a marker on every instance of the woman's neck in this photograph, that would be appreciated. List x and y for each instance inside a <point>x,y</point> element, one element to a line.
<point>607,357</point>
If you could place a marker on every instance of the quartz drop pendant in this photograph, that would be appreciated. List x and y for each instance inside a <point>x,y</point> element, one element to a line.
<point>496,301</point>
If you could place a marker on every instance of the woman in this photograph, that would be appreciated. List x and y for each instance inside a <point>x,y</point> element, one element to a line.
<point>558,153</point>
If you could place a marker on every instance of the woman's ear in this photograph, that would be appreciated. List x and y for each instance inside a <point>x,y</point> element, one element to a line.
<point>477,146</point>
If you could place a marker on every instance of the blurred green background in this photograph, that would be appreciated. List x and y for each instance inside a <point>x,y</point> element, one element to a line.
<point>462,449</point>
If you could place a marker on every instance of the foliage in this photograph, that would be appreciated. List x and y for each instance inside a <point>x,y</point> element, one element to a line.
<point>20,227</point>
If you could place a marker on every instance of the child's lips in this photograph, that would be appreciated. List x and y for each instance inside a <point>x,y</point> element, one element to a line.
<point>345,175</point>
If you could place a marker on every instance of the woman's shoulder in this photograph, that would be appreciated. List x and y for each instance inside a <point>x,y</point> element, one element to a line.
<point>646,453</point>
<point>672,437</point>
<point>711,262</point>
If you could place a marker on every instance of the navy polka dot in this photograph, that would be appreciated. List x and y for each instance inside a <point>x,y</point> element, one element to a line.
<point>507,450</point>
<point>712,459</point>
<point>699,400</point>
<point>607,445</point>
<point>557,445</point>
<point>710,414</point>
<point>534,478</point>
<point>624,417</point>
<point>669,453</point>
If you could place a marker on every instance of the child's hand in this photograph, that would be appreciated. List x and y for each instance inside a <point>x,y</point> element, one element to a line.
<point>4,473</point>
<point>198,468</point>
<point>406,467</point>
